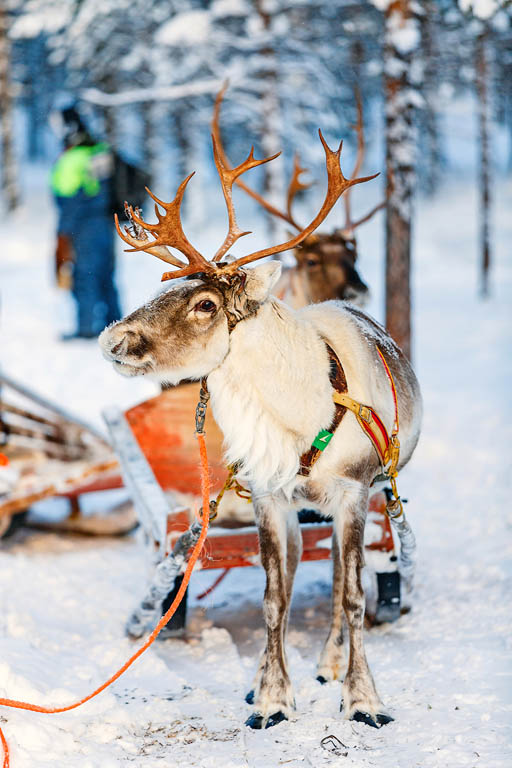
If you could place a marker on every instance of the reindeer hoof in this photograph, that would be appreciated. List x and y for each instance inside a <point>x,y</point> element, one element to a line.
<point>275,719</point>
<point>385,719</point>
<point>378,722</point>
<point>321,679</point>
<point>255,721</point>
<point>249,698</point>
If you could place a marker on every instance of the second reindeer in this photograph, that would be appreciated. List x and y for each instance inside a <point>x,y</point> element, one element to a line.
<point>326,262</point>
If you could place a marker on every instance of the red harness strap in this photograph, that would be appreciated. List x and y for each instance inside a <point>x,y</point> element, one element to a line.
<point>387,446</point>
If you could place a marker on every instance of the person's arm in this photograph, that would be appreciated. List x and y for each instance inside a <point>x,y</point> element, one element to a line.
<point>66,212</point>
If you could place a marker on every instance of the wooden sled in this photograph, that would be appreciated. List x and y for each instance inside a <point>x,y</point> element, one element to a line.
<point>158,454</point>
<point>48,452</point>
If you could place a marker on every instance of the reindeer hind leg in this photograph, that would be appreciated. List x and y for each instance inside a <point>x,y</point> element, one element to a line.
<point>332,659</point>
<point>360,699</point>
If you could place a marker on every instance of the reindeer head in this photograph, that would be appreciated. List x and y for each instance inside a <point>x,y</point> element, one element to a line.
<point>184,332</point>
<point>326,265</point>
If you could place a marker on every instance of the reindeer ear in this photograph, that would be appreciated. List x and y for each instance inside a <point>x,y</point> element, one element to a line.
<point>261,280</point>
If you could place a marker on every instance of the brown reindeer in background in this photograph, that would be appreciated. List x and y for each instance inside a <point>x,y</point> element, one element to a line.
<point>280,380</point>
<point>326,263</point>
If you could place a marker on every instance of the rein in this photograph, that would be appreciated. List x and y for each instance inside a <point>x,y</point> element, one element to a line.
<point>205,520</point>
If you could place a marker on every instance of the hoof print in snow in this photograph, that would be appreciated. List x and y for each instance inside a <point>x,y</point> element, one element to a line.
<point>364,717</point>
<point>249,698</point>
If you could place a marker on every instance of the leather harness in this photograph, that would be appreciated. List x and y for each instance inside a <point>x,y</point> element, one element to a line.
<point>386,446</point>
<point>339,384</point>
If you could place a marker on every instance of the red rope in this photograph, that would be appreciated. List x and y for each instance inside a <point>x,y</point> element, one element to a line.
<point>215,584</point>
<point>393,388</point>
<point>205,491</point>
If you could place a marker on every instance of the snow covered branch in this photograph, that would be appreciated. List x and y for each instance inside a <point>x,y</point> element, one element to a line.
<point>165,93</point>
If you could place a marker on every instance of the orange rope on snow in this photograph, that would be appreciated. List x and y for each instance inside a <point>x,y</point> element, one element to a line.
<point>5,748</point>
<point>205,492</point>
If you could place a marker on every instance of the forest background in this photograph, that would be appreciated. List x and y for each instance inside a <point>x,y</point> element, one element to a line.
<point>145,73</point>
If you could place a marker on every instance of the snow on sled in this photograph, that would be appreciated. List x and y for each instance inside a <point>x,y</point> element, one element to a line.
<point>157,450</point>
<point>47,452</point>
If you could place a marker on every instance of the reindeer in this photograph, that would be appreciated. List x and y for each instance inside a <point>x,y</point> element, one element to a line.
<point>325,263</point>
<point>276,376</point>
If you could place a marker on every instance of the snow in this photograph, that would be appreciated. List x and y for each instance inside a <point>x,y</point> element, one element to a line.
<point>164,93</point>
<point>404,35</point>
<point>223,8</point>
<point>443,670</point>
<point>188,28</point>
<point>484,9</point>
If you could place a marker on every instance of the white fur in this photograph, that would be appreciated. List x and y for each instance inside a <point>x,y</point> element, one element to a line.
<point>271,394</point>
<point>276,364</point>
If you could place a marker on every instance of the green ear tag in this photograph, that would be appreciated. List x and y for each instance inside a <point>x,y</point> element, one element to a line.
<point>322,440</point>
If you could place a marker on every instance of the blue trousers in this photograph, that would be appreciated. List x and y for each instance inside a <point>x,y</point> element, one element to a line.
<point>93,275</point>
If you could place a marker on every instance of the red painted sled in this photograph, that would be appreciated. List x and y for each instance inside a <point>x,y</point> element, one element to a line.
<point>164,430</point>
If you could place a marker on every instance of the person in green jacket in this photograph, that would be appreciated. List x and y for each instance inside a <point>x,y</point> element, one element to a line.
<point>81,180</point>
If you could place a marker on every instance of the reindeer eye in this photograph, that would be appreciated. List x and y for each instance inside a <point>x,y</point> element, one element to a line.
<point>205,306</point>
<point>312,263</point>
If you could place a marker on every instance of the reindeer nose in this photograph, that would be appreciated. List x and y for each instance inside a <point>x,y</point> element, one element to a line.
<point>121,347</point>
<point>113,342</point>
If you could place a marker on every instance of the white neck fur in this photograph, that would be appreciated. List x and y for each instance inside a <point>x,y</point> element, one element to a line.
<point>271,395</point>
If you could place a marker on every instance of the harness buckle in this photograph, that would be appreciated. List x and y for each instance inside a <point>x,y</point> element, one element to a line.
<point>200,417</point>
<point>365,413</point>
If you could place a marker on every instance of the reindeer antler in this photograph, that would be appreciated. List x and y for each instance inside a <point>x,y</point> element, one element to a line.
<point>349,227</point>
<point>336,185</point>
<point>294,186</point>
<point>227,177</point>
<point>136,236</point>
<point>168,232</point>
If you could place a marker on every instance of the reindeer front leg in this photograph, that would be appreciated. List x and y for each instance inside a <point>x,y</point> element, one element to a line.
<point>360,699</point>
<point>273,697</point>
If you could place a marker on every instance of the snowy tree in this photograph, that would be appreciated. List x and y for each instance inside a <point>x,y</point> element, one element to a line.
<point>490,18</point>
<point>8,161</point>
<point>401,77</point>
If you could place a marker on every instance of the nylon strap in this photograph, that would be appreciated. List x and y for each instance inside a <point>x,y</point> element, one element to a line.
<point>387,446</point>
<point>369,422</point>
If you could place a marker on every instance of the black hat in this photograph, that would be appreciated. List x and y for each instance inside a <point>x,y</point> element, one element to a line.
<point>73,130</point>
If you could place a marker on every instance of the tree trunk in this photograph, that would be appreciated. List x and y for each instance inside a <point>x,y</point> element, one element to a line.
<point>400,166</point>
<point>183,138</point>
<point>482,89</point>
<point>270,119</point>
<point>148,138</point>
<point>108,85</point>
<point>8,160</point>
<point>430,91</point>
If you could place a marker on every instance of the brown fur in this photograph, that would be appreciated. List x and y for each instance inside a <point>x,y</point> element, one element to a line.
<point>326,267</point>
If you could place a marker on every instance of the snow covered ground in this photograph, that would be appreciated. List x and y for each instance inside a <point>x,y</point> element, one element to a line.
<point>444,670</point>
